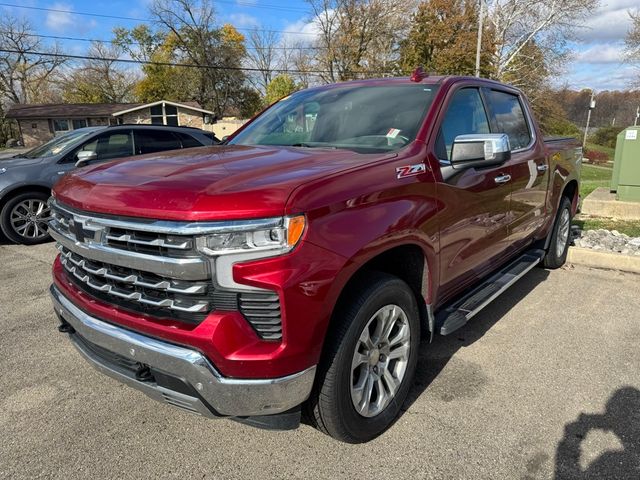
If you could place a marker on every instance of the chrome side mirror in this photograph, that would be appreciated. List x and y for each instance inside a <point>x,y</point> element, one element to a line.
<point>480,150</point>
<point>85,156</point>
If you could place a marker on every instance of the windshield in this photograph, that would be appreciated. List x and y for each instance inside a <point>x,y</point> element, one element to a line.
<point>58,144</point>
<point>361,118</point>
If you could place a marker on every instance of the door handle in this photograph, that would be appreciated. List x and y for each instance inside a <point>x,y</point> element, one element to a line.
<point>543,167</point>
<point>502,178</point>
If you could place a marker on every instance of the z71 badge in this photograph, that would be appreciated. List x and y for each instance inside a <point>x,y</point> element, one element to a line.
<point>411,170</point>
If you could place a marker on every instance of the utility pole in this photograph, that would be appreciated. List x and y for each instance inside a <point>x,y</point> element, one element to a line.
<point>479,45</point>
<point>592,105</point>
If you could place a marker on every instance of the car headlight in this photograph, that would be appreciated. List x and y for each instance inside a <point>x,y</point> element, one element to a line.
<point>2,170</point>
<point>270,236</point>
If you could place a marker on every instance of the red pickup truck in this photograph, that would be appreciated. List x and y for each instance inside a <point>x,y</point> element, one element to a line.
<point>296,267</point>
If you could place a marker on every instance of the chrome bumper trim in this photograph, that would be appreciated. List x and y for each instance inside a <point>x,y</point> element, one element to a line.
<point>180,268</point>
<point>226,396</point>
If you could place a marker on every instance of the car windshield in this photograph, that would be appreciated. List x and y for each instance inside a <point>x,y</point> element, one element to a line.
<point>58,144</point>
<point>365,119</point>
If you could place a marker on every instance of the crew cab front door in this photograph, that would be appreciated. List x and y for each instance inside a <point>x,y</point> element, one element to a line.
<point>474,217</point>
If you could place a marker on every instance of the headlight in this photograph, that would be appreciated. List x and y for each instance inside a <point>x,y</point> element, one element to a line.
<point>2,170</point>
<point>271,236</point>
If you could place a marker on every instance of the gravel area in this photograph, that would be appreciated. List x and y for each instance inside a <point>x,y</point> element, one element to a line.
<point>607,240</point>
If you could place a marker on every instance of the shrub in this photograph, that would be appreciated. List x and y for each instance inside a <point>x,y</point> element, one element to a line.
<point>598,158</point>
<point>606,136</point>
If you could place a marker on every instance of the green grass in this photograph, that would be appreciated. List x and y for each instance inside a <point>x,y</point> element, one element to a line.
<point>599,148</point>
<point>628,227</point>
<point>593,177</point>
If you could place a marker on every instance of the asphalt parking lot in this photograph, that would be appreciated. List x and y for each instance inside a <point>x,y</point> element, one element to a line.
<point>545,383</point>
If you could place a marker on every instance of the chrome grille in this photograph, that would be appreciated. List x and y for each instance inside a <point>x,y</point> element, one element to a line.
<point>153,267</point>
<point>262,310</point>
<point>137,286</point>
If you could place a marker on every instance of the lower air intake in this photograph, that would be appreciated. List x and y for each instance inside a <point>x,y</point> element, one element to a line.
<point>262,310</point>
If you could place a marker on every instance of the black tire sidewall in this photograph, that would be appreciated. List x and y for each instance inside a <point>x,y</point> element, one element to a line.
<point>555,259</point>
<point>359,428</point>
<point>5,220</point>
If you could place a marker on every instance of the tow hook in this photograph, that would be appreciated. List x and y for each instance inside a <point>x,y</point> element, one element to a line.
<point>143,373</point>
<point>64,327</point>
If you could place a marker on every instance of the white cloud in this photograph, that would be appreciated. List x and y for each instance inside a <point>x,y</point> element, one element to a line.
<point>600,77</point>
<point>301,30</point>
<point>602,53</point>
<point>60,21</point>
<point>244,20</point>
<point>610,22</point>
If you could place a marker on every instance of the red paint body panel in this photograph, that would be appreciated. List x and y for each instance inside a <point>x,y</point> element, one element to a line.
<point>356,208</point>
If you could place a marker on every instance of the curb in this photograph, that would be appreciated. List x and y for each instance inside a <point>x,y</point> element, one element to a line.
<point>604,260</point>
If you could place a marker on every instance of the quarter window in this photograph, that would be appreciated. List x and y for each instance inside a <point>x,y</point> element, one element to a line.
<point>510,118</point>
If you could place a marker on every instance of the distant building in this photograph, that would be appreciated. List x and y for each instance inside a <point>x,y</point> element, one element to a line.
<point>38,123</point>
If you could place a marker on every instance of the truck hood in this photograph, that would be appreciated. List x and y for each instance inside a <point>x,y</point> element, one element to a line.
<point>205,183</point>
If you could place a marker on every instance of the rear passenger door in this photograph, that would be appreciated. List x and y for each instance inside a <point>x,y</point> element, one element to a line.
<point>153,141</point>
<point>528,164</point>
<point>474,220</point>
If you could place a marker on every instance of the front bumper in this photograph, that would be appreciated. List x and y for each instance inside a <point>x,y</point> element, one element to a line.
<point>174,374</point>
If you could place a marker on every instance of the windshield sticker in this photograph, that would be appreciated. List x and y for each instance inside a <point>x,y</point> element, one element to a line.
<point>393,133</point>
<point>411,170</point>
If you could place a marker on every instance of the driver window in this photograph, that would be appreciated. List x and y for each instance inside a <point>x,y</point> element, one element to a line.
<point>465,115</point>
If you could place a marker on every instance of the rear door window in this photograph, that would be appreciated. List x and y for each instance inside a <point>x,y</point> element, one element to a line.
<point>465,115</point>
<point>152,141</point>
<point>510,118</point>
<point>111,145</point>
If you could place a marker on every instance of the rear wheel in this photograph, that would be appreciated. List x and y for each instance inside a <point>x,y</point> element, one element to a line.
<point>369,361</point>
<point>24,218</point>
<point>556,255</point>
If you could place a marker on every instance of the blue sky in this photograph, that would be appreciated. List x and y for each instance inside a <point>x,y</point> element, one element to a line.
<point>598,48</point>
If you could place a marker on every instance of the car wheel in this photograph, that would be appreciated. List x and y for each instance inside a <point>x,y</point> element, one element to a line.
<point>556,255</point>
<point>24,218</point>
<point>369,361</point>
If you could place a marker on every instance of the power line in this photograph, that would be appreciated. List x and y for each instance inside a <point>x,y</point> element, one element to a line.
<point>81,39</point>
<point>134,19</point>
<point>185,65</point>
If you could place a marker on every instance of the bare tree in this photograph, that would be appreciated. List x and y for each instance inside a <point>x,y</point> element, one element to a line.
<point>217,53</point>
<point>100,79</point>
<point>548,23</point>
<point>359,37</point>
<point>27,67</point>
<point>262,54</point>
<point>633,37</point>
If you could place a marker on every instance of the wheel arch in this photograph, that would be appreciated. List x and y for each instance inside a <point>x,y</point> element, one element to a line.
<point>8,195</point>
<point>571,191</point>
<point>408,262</point>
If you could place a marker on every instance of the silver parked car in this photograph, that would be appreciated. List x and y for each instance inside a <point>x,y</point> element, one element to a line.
<point>26,179</point>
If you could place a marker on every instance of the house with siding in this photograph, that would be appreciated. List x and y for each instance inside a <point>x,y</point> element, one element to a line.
<point>38,123</point>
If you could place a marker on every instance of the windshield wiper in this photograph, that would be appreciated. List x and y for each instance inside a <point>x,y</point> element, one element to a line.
<point>309,145</point>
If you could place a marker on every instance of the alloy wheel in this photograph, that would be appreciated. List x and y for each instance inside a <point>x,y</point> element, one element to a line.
<point>29,219</point>
<point>380,360</point>
<point>563,231</point>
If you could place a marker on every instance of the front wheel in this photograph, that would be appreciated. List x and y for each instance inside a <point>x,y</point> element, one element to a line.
<point>369,361</point>
<point>560,237</point>
<point>24,218</point>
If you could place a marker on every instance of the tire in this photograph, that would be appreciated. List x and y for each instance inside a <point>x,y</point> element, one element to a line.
<point>24,218</point>
<point>556,254</point>
<point>332,407</point>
